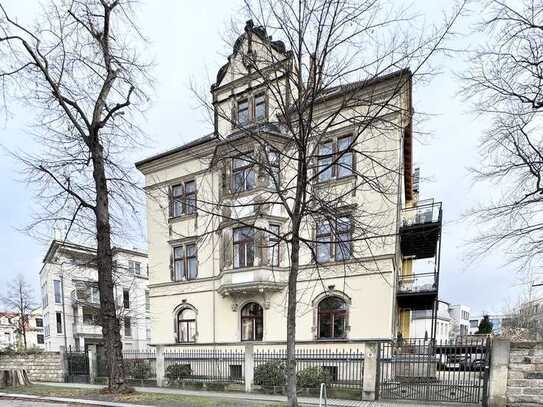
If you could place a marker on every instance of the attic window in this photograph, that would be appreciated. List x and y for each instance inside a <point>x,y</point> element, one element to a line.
<point>243,112</point>
<point>260,107</point>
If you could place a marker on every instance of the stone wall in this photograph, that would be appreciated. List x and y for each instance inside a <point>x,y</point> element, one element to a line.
<point>41,367</point>
<point>525,376</point>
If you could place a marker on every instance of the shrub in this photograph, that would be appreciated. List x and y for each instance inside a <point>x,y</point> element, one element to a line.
<point>176,372</point>
<point>312,377</point>
<point>271,374</point>
<point>138,369</point>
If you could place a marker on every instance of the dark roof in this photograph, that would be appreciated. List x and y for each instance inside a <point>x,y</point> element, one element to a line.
<point>186,146</point>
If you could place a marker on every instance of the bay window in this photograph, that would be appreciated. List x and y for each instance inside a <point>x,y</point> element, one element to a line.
<point>244,247</point>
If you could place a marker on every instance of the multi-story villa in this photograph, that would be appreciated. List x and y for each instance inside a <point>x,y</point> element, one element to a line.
<point>71,299</point>
<point>460,319</point>
<point>222,279</point>
<point>8,329</point>
<point>422,322</point>
<point>11,332</point>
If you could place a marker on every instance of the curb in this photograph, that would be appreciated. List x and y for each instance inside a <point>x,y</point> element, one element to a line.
<point>70,400</point>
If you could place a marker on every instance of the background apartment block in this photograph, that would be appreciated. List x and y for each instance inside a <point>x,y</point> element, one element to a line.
<point>70,297</point>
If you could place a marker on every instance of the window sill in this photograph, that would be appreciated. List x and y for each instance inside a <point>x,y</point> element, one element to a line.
<point>336,181</point>
<point>175,219</point>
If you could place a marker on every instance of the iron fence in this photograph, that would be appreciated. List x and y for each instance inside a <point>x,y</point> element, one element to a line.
<point>205,365</point>
<point>340,369</point>
<point>426,370</point>
<point>140,366</point>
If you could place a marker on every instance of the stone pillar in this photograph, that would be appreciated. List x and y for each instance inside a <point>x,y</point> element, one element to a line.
<point>92,364</point>
<point>499,367</point>
<point>160,368</point>
<point>63,361</point>
<point>370,371</point>
<point>249,367</point>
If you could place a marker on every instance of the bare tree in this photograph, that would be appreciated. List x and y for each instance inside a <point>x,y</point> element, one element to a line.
<point>505,82</point>
<point>79,66</point>
<point>20,299</point>
<point>335,66</point>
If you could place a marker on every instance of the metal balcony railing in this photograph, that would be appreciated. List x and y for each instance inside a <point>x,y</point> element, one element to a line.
<point>426,212</point>
<point>417,283</point>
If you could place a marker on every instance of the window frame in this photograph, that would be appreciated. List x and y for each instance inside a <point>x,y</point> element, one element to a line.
<point>245,170</point>
<point>185,259</point>
<point>127,322</point>
<point>57,295</point>
<point>274,245</point>
<point>257,335</point>
<point>247,110</point>
<point>244,242</point>
<point>335,156</point>
<point>42,337</point>
<point>333,314</point>
<point>183,198</point>
<point>264,117</point>
<point>333,240</point>
<point>190,325</point>
<point>126,298</point>
<point>59,322</point>
<point>251,110</point>
<point>40,324</point>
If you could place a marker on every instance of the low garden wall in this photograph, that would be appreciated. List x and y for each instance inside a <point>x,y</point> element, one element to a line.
<point>40,366</point>
<point>525,376</point>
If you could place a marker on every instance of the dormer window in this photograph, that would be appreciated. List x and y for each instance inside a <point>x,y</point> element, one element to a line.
<point>251,110</point>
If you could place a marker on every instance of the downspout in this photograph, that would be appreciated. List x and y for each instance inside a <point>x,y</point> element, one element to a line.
<point>63,307</point>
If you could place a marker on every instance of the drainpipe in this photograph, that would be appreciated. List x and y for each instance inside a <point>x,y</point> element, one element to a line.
<point>63,306</point>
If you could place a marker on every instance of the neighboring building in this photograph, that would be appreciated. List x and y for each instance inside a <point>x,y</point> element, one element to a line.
<point>12,336</point>
<point>8,329</point>
<point>422,323</point>
<point>460,319</point>
<point>70,297</point>
<point>495,319</point>
<point>226,286</point>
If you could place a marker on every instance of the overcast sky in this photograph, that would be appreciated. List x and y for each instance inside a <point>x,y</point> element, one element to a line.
<point>186,43</point>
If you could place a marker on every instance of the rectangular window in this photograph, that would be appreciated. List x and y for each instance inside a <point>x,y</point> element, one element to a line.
<point>243,173</point>
<point>185,259</point>
<point>134,267</point>
<point>57,288</point>
<point>126,298</point>
<point>243,112</point>
<point>274,169</point>
<point>273,244</point>
<point>147,302</point>
<point>183,198</point>
<point>325,160</point>
<point>335,159</point>
<point>39,323</point>
<point>90,316</point>
<point>324,242</point>
<point>40,339</point>
<point>260,107</point>
<point>59,322</point>
<point>46,324</point>
<point>45,297</point>
<point>127,326</point>
<point>343,238</point>
<point>334,242</point>
<point>244,246</point>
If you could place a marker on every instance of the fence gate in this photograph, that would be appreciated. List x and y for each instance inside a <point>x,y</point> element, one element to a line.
<point>77,364</point>
<point>425,370</point>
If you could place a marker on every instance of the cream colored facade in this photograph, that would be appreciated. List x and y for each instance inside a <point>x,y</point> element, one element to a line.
<point>366,283</point>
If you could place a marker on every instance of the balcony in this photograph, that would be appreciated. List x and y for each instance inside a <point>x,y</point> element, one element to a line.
<point>87,296</point>
<point>87,330</point>
<point>417,291</point>
<point>252,280</point>
<point>420,229</point>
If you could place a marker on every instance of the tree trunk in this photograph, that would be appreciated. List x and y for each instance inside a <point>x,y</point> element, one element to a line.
<point>104,261</point>
<point>291,323</point>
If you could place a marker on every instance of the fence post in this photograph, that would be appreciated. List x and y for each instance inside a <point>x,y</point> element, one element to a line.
<point>499,367</point>
<point>160,368</point>
<point>249,367</point>
<point>369,382</point>
<point>64,361</point>
<point>92,365</point>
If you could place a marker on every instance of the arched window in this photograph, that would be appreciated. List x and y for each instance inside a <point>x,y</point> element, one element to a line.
<point>252,322</point>
<point>332,315</point>
<point>186,325</point>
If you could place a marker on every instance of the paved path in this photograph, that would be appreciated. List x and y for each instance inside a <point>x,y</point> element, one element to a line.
<point>308,401</point>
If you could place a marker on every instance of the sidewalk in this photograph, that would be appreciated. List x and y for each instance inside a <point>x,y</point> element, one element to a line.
<point>307,401</point>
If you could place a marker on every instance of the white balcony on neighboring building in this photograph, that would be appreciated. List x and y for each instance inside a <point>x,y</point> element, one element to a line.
<point>81,328</point>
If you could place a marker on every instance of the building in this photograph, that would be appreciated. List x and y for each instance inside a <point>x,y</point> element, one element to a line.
<point>8,329</point>
<point>460,319</point>
<point>422,323</point>
<point>214,281</point>
<point>70,297</point>
<point>495,319</point>
<point>12,336</point>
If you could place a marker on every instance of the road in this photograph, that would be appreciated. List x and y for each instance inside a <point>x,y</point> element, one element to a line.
<point>27,403</point>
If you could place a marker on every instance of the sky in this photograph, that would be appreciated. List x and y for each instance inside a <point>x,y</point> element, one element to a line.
<point>186,42</point>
